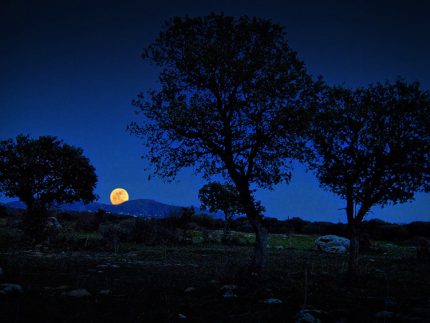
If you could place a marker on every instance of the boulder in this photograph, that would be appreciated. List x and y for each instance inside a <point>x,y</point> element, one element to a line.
<point>10,289</point>
<point>309,316</point>
<point>385,315</point>
<point>228,287</point>
<point>332,244</point>
<point>229,294</point>
<point>272,301</point>
<point>77,293</point>
<point>53,223</point>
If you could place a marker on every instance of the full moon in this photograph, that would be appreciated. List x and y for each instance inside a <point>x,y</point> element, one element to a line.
<point>118,196</point>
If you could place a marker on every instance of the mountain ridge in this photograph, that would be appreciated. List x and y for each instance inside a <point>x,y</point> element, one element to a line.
<point>137,207</point>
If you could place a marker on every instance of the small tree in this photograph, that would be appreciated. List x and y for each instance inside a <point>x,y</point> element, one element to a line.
<point>215,197</point>
<point>44,171</point>
<point>231,94</point>
<point>372,147</point>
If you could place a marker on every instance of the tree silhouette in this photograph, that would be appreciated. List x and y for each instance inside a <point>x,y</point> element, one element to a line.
<point>215,196</point>
<point>372,147</point>
<point>44,171</point>
<point>231,94</point>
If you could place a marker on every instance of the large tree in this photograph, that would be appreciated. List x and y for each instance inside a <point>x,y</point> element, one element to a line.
<point>372,147</point>
<point>44,171</point>
<point>231,92</point>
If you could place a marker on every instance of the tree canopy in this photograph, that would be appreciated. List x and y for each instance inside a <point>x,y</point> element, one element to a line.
<point>215,196</point>
<point>225,85</point>
<point>372,145</point>
<point>44,171</point>
<point>231,98</point>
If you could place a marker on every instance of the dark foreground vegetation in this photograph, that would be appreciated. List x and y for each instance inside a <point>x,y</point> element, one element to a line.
<point>106,268</point>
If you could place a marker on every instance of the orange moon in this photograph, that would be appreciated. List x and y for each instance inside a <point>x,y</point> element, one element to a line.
<point>118,196</point>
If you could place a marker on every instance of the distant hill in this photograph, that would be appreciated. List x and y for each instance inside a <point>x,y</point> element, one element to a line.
<point>139,207</point>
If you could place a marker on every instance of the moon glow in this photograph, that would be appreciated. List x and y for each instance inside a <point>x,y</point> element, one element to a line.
<point>118,196</point>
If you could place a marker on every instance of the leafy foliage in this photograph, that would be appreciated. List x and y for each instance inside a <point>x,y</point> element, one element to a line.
<point>44,171</point>
<point>373,144</point>
<point>372,147</point>
<point>232,101</point>
<point>215,196</point>
<point>225,85</point>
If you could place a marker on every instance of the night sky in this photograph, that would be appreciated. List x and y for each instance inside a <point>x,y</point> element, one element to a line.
<point>71,69</point>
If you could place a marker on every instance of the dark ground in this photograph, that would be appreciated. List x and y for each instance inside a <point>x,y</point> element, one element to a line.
<point>152,284</point>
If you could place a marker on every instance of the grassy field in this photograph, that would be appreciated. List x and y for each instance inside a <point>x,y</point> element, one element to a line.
<point>137,283</point>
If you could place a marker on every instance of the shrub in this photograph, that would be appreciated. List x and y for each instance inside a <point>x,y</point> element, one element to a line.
<point>296,224</point>
<point>109,233</point>
<point>3,211</point>
<point>140,230</point>
<point>392,232</point>
<point>418,228</point>
<point>89,222</point>
<point>241,224</point>
<point>15,221</point>
<point>66,216</point>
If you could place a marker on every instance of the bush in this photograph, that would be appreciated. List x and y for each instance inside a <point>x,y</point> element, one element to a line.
<point>15,221</point>
<point>296,224</point>
<point>392,232</point>
<point>66,216</point>
<point>418,228</point>
<point>208,222</point>
<point>241,224</point>
<point>89,222</point>
<point>139,230</point>
<point>109,233</point>
<point>3,211</point>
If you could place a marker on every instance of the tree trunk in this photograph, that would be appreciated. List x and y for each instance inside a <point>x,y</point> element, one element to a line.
<point>260,250</point>
<point>254,216</point>
<point>354,248</point>
<point>34,222</point>
<point>354,234</point>
<point>256,220</point>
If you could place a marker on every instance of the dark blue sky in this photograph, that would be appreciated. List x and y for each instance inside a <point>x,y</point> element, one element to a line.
<point>71,69</point>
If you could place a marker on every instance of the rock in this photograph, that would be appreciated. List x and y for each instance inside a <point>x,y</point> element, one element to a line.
<point>332,244</point>
<point>385,315</point>
<point>182,316</point>
<point>62,287</point>
<point>104,292</point>
<point>272,301</point>
<point>78,293</point>
<point>279,247</point>
<point>189,289</point>
<point>390,302</point>
<point>228,287</point>
<point>308,316</point>
<point>10,289</point>
<point>53,223</point>
<point>229,294</point>
<point>107,266</point>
